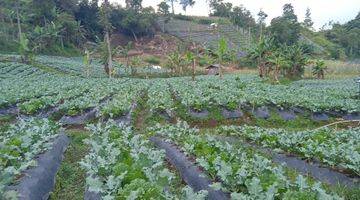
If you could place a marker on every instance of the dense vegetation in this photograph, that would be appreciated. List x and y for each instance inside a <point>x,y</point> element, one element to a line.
<point>134,120</point>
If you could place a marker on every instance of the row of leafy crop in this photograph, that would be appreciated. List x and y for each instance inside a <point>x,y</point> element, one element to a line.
<point>160,98</point>
<point>211,91</point>
<point>243,172</point>
<point>10,70</point>
<point>72,95</point>
<point>17,89</point>
<point>100,90</point>
<point>19,146</point>
<point>232,91</point>
<point>124,165</point>
<point>121,102</point>
<point>73,65</point>
<point>335,148</point>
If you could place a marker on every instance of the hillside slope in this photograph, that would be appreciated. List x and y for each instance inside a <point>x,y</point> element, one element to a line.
<point>238,39</point>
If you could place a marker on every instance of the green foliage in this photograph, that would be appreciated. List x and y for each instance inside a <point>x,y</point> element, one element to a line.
<point>220,9</point>
<point>153,60</point>
<point>26,52</point>
<point>286,29</point>
<point>244,172</point>
<point>183,17</point>
<point>175,62</point>
<point>20,145</point>
<point>163,8</point>
<point>308,21</point>
<point>346,36</point>
<point>134,23</point>
<point>319,69</point>
<point>298,59</point>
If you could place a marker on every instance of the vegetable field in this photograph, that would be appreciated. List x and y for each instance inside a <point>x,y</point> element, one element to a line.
<point>239,137</point>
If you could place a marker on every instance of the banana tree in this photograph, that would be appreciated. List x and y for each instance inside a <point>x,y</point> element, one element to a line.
<point>319,69</point>
<point>260,53</point>
<point>175,62</point>
<point>221,52</point>
<point>105,15</point>
<point>298,58</point>
<point>124,51</point>
<point>136,62</point>
<point>279,61</point>
<point>191,59</point>
<point>25,50</point>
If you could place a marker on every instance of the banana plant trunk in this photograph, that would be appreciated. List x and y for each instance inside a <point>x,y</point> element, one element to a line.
<point>110,63</point>
<point>18,20</point>
<point>193,70</point>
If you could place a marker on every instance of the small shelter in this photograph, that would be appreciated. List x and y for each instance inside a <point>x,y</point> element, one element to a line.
<point>213,69</point>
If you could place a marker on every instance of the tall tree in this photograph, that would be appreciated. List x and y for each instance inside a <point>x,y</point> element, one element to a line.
<point>172,2</point>
<point>220,9</point>
<point>88,15</point>
<point>242,17</point>
<point>186,3</point>
<point>163,8</point>
<point>308,21</point>
<point>286,29</point>
<point>261,20</point>
<point>135,5</point>
<point>289,13</point>
<point>17,8</point>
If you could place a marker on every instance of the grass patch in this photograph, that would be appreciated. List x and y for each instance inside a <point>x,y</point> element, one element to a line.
<point>300,123</point>
<point>70,179</point>
<point>6,119</point>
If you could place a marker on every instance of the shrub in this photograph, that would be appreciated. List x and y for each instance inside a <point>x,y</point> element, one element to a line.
<point>153,60</point>
<point>205,21</point>
<point>183,17</point>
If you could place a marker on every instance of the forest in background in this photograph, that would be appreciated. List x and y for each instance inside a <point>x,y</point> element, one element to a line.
<point>62,27</point>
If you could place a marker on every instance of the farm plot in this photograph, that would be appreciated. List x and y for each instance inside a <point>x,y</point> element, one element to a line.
<point>126,162</point>
<point>340,149</point>
<point>122,165</point>
<point>326,99</point>
<point>20,145</point>
<point>121,103</point>
<point>243,172</point>
<point>73,65</point>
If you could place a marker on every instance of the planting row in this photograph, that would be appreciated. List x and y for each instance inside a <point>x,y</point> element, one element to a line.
<point>124,165</point>
<point>340,149</point>
<point>234,91</point>
<point>20,145</point>
<point>243,172</point>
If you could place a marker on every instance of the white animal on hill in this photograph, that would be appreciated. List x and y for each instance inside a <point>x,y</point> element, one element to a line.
<point>156,67</point>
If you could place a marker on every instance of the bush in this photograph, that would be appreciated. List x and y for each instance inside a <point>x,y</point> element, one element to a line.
<point>153,60</point>
<point>183,17</point>
<point>205,21</point>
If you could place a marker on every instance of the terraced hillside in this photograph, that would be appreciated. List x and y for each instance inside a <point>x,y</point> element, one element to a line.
<point>203,34</point>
